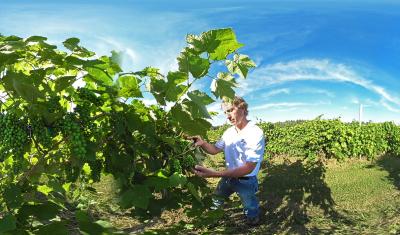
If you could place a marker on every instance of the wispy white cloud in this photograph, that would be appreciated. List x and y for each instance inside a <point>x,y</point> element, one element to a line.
<point>317,91</point>
<point>388,106</point>
<point>151,38</point>
<point>312,69</point>
<point>285,110</point>
<point>276,92</point>
<point>284,104</point>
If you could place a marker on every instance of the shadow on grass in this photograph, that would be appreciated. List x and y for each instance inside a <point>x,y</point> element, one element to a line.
<point>391,164</point>
<point>288,194</point>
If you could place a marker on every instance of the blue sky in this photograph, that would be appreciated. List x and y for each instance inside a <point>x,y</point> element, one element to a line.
<point>313,57</point>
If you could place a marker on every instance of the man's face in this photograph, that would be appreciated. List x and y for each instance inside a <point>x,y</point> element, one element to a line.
<point>234,114</point>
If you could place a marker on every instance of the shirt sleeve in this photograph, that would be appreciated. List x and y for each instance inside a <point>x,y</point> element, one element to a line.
<point>254,148</point>
<point>220,144</point>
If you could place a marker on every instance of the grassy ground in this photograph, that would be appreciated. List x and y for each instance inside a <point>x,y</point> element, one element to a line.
<point>353,197</point>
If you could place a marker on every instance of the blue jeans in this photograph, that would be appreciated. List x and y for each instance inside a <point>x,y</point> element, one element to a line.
<point>245,188</point>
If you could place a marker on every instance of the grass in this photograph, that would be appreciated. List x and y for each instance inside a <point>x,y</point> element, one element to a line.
<point>352,197</point>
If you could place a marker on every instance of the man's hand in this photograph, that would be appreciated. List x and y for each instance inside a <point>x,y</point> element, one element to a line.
<point>197,140</point>
<point>205,172</point>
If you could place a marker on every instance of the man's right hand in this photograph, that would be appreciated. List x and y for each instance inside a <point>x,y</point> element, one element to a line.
<point>197,140</point>
<point>209,148</point>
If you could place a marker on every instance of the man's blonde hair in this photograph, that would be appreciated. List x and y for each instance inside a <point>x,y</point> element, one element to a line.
<point>238,102</point>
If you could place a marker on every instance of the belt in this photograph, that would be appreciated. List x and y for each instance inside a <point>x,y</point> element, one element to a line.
<point>244,178</point>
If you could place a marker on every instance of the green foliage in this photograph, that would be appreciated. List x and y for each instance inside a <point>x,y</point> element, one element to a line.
<point>331,139</point>
<point>317,138</point>
<point>56,138</point>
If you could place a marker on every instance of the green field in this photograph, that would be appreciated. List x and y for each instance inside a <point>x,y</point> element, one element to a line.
<point>351,197</point>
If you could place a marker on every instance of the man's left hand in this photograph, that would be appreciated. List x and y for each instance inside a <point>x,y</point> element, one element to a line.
<point>205,172</point>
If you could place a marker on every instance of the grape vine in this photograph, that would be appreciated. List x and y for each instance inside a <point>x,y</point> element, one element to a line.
<point>56,137</point>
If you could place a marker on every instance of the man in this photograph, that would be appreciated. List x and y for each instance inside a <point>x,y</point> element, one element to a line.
<point>243,145</point>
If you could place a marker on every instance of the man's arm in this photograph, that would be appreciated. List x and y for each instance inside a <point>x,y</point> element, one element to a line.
<point>209,148</point>
<point>234,173</point>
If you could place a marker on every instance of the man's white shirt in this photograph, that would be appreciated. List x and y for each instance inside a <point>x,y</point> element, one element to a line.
<point>241,146</point>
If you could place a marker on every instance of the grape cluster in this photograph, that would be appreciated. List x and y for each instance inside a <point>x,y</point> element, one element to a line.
<point>175,166</point>
<point>54,104</point>
<point>183,164</point>
<point>86,94</point>
<point>71,130</point>
<point>13,134</point>
<point>40,132</point>
<point>83,110</point>
<point>185,157</point>
<point>188,162</point>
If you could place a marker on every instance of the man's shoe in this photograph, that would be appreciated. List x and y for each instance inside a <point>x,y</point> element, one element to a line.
<point>253,220</point>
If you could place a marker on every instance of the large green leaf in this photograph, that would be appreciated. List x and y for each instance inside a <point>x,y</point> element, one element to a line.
<point>87,226</point>
<point>100,76</point>
<point>218,43</point>
<point>195,110</point>
<point>83,52</point>
<point>223,86</point>
<point>193,191</point>
<point>13,196</point>
<point>175,78</point>
<point>56,227</point>
<point>8,223</point>
<point>228,43</point>
<point>191,126</point>
<point>109,65</point>
<point>204,43</point>
<point>177,179</point>
<point>63,82</point>
<point>159,181</point>
<point>71,43</point>
<point>173,89</point>
<point>148,72</point>
<point>44,211</point>
<point>129,86</point>
<point>23,86</point>
<point>200,100</point>
<point>8,58</point>
<point>12,38</point>
<point>188,61</point>
<point>240,65</point>
<point>157,87</point>
<point>35,39</point>
<point>178,114</point>
<point>200,97</point>
<point>137,196</point>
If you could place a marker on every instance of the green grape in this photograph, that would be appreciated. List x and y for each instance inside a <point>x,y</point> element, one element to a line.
<point>41,133</point>
<point>75,138</point>
<point>86,94</point>
<point>54,104</point>
<point>83,110</point>
<point>175,166</point>
<point>13,134</point>
<point>188,162</point>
